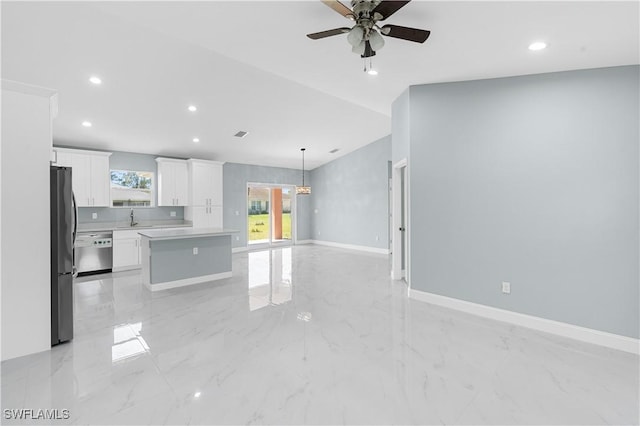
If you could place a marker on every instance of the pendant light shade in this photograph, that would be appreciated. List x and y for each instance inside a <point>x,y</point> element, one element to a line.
<point>303,190</point>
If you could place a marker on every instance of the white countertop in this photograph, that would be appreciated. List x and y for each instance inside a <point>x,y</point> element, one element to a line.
<point>173,234</point>
<point>124,226</point>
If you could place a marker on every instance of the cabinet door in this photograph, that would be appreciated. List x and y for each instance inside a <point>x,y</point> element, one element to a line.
<point>181,178</point>
<point>126,252</point>
<point>100,181</point>
<point>166,186</point>
<point>215,217</point>
<point>199,217</point>
<point>216,185</point>
<point>63,159</point>
<point>81,179</point>
<point>201,190</point>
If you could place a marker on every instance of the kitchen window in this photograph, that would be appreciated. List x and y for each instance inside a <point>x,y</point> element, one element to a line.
<point>131,188</point>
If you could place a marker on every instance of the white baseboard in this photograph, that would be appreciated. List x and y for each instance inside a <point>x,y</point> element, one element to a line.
<point>610,340</point>
<point>187,281</point>
<point>126,268</point>
<point>298,242</point>
<point>351,247</point>
<point>239,249</point>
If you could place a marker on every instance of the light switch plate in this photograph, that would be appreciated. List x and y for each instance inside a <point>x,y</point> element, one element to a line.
<point>506,287</point>
<point>195,250</point>
<point>172,214</point>
<point>94,215</point>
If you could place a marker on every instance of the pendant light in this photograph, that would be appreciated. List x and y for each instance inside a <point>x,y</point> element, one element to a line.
<point>303,190</point>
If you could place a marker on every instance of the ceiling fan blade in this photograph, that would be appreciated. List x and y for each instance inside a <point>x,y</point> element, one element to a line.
<point>387,8</point>
<point>328,33</point>
<point>405,33</point>
<point>368,51</point>
<point>340,8</point>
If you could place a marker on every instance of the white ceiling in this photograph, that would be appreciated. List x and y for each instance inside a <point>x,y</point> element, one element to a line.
<point>248,66</point>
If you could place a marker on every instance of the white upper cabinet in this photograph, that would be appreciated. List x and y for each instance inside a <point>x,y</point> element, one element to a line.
<point>205,194</point>
<point>90,175</point>
<point>205,183</point>
<point>100,181</point>
<point>173,182</point>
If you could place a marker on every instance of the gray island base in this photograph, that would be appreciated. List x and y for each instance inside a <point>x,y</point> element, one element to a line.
<point>180,257</point>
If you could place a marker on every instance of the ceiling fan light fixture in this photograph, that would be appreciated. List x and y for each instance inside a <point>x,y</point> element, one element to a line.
<point>359,49</point>
<point>355,36</point>
<point>376,40</point>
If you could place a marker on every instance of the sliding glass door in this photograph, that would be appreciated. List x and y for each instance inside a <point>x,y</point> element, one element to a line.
<point>270,214</point>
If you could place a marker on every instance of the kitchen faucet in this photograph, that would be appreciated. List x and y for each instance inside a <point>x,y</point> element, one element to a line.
<point>132,222</point>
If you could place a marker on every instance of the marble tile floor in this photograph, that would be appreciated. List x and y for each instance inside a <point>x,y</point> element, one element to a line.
<point>309,335</point>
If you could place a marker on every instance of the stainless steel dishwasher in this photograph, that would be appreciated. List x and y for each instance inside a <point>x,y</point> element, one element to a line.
<point>94,252</point>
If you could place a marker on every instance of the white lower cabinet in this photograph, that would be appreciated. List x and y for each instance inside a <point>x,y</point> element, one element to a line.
<point>126,250</point>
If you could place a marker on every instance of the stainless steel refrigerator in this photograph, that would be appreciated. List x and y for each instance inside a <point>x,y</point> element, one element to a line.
<point>64,224</point>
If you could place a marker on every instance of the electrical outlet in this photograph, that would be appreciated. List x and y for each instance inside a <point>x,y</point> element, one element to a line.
<point>195,250</point>
<point>237,238</point>
<point>318,232</point>
<point>377,238</point>
<point>237,213</point>
<point>506,287</point>
<point>172,214</point>
<point>94,215</point>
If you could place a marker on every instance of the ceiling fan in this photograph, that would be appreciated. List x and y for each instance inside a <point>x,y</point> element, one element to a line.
<point>365,35</point>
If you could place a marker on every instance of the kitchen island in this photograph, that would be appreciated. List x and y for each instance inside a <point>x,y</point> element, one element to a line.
<point>180,257</point>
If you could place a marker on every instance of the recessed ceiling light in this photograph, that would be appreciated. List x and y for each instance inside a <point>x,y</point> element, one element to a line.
<point>86,124</point>
<point>196,140</point>
<point>241,134</point>
<point>192,108</point>
<point>95,80</point>
<point>197,394</point>
<point>372,72</point>
<point>334,150</point>
<point>537,45</point>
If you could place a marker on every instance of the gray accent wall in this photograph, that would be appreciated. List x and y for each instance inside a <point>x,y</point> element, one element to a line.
<point>138,162</point>
<point>350,203</point>
<point>235,179</point>
<point>531,180</point>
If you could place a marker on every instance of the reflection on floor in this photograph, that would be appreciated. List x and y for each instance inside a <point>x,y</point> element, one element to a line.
<point>269,277</point>
<point>304,335</point>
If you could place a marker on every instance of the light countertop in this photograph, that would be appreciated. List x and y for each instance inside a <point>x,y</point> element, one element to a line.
<point>173,234</point>
<point>122,226</point>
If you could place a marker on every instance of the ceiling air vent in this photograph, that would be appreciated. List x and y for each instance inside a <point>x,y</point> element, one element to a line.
<point>333,151</point>
<point>241,134</point>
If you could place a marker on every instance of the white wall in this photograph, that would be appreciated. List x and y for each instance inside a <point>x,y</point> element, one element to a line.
<point>24,222</point>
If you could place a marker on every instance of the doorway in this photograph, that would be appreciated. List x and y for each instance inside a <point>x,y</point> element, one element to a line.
<point>270,215</point>
<point>400,222</point>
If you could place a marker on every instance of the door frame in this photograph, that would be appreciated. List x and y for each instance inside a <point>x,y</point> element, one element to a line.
<point>294,227</point>
<point>397,273</point>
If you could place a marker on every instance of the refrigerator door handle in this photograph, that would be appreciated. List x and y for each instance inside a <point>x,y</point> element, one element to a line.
<point>74,270</point>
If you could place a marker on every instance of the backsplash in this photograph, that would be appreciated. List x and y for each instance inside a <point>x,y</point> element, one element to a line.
<point>106,214</point>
